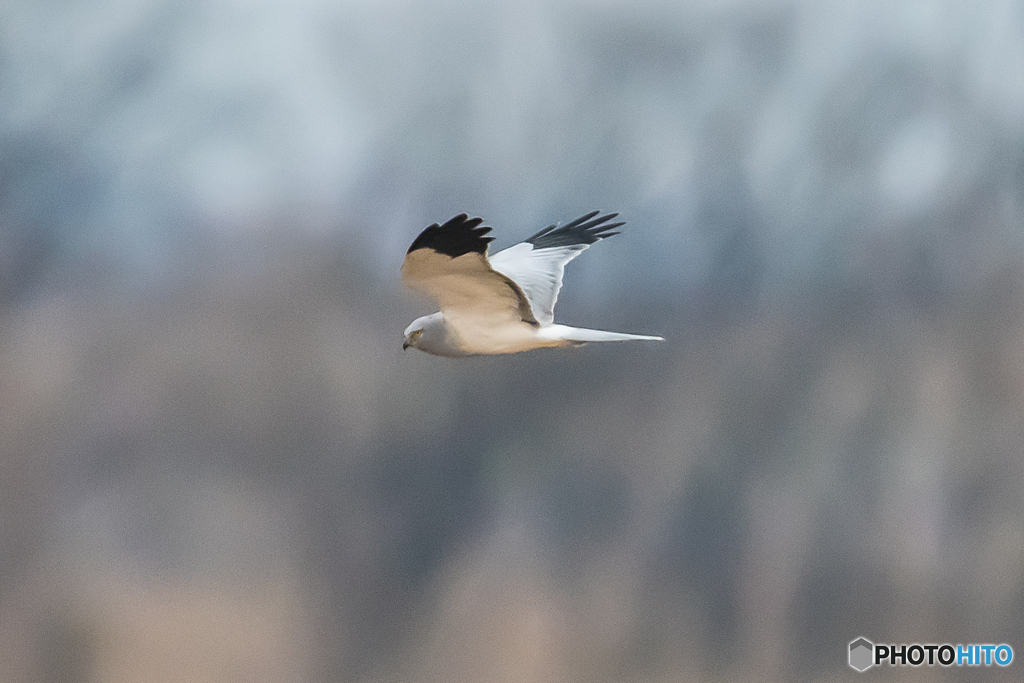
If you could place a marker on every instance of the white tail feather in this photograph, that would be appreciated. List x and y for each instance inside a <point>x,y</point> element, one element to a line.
<point>579,334</point>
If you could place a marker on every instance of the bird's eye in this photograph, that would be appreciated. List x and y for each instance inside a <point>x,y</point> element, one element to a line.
<point>416,334</point>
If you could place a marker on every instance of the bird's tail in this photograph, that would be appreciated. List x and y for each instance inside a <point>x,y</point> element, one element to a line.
<point>582,335</point>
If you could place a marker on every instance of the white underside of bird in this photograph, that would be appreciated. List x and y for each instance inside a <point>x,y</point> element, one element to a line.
<point>501,304</point>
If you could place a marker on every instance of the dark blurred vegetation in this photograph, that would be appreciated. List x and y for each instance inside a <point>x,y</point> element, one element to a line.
<point>216,463</point>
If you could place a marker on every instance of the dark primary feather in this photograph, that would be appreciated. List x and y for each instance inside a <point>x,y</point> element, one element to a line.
<point>584,230</point>
<point>458,236</point>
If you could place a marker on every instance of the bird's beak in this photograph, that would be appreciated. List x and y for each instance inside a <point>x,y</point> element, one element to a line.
<point>405,345</point>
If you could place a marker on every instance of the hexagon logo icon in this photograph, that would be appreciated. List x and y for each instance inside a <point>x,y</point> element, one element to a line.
<point>861,651</point>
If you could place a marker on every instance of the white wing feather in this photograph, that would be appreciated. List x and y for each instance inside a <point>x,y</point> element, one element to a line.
<point>538,272</point>
<point>538,263</point>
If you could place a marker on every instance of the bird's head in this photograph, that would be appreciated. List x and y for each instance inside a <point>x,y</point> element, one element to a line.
<point>421,331</point>
<point>412,335</point>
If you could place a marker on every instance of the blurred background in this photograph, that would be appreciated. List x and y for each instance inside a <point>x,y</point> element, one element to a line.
<point>217,464</point>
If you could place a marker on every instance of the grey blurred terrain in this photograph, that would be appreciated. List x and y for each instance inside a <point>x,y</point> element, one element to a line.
<point>216,463</point>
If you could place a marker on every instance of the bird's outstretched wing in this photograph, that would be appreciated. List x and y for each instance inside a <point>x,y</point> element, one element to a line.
<point>449,263</point>
<point>537,263</point>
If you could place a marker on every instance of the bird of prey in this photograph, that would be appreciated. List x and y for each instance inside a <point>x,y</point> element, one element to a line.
<point>501,304</point>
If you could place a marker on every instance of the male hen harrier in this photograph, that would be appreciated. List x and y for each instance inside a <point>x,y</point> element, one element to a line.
<point>501,304</point>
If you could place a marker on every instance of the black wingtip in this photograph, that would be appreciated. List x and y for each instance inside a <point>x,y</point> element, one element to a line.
<point>458,236</point>
<point>584,230</point>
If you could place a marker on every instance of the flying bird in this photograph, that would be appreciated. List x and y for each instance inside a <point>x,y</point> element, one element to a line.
<point>501,304</point>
